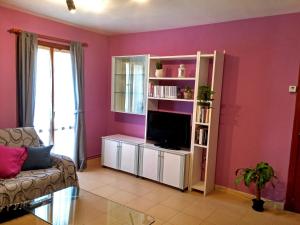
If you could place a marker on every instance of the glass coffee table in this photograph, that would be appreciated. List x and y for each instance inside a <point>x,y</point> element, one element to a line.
<point>79,207</point>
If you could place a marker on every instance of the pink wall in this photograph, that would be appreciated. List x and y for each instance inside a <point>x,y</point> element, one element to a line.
<point>262,60</point>
<point>96,70</point>
<point>257,110</point>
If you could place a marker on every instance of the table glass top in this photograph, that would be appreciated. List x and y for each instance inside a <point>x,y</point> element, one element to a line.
<point>79,207</point>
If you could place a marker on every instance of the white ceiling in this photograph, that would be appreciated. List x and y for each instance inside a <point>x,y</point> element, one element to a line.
<point>128,16</point>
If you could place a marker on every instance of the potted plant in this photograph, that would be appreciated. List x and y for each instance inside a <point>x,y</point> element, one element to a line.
<point>205,95</point>
<point>260,176</point>
<point>159,72</point>
<point>187,92</point>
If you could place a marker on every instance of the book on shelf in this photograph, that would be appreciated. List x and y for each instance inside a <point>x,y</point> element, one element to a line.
<point>203,136</point>
<point>202,114</point>
<point>160,91</point>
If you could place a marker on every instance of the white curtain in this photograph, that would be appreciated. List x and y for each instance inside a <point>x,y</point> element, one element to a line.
<point>43,99</point>
<point>55,106</point>
<point>64,105</point>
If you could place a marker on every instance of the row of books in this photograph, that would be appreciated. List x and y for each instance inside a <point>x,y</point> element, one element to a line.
<point>202,114</point>
<point>159,91</point>
<point>201,136</point>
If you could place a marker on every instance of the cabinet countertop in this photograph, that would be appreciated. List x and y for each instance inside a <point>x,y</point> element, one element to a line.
<point>125,138</point>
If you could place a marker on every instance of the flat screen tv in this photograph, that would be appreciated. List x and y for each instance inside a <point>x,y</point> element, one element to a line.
<point>169,130</point>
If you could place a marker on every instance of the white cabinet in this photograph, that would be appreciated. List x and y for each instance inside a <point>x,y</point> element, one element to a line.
<point>128,158</point>
<point>172,170</point>
<point>149,163</point>
<point>110,151</point>
<point>129,83</point>
<point>168,167</point>
<point>121,152</point>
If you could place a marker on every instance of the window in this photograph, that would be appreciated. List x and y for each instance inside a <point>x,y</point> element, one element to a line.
<point>54,108</point>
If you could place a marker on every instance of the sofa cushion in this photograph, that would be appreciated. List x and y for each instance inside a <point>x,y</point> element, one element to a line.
<point>19,137</point>
<point>38,158</point>
<point>11,161</point>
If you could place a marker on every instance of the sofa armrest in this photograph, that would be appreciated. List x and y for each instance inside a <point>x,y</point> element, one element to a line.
<point>67,167</point>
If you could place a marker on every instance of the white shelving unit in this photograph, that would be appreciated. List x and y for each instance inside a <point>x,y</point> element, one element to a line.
<point>168,166</point>
<point>203,157</point>
<point>170,77</point>
<point>193,168</point>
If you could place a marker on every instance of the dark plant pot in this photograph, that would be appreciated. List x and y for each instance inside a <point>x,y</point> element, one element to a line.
<point>258,205</point>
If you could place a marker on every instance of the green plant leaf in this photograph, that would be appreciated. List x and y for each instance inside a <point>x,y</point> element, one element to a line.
<point>260,175</point>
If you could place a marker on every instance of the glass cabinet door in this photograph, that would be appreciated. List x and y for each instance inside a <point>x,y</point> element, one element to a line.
<point>128,84</point>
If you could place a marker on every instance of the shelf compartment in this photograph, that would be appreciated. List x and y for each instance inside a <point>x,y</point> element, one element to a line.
<point>176,57</point>
<point>172,99</point>
<point>199,186</point>
<point>172,78</point>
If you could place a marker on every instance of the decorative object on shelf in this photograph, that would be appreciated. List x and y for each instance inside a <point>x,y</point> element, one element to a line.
<point>161,91</point>
<point>188,92</point>
<point>260,176</point>
<point>205,95</point>
<point>181,70</point>
<point>159,72</point>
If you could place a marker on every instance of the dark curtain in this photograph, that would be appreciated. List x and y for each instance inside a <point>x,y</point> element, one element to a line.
<point>26,76</point>
<point>76,50</point>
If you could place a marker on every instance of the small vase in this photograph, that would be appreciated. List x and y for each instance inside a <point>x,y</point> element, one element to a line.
<point>181,70</point>
<point>159,73</point>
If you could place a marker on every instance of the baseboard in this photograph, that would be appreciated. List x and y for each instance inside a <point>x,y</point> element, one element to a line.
<point>93,162</point>
<point>269,203</point>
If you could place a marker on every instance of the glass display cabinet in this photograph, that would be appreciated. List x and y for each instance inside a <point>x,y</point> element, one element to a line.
<point>129,75</point>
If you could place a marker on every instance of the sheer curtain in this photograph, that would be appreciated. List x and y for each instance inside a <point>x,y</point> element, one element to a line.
<point>64,105</point>
<point>43,99</point>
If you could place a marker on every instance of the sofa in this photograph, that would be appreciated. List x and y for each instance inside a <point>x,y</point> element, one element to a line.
<point>28,185</point>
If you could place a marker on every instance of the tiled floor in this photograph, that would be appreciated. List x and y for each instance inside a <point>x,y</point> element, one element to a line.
<point>172,207</point>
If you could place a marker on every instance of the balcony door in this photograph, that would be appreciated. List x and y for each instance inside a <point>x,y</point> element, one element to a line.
<point>54,116</point>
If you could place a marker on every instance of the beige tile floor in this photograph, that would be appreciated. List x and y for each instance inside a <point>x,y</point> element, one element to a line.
<point>172,207</point>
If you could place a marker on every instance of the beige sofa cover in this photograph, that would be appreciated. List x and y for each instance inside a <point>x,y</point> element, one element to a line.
<point>29,185</point>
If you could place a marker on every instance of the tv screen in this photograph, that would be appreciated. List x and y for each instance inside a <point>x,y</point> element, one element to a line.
<point>169,130</point>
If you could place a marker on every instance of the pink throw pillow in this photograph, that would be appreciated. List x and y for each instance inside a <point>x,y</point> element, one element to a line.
<point>11,161</point>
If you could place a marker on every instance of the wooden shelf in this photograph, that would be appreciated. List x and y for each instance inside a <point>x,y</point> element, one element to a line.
<point>202,124</point>
<point>200,146</point>
<point>172,78</point>
<point>172,99</point>
<point>207,55</point>
<point>199,186</point>
<point>175,57</point>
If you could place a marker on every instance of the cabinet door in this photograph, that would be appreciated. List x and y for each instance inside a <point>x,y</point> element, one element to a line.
<point>172,169</point>
<point>110,153</point>
<point>149,164</point>
<point>128,158</point>
<point>129,84</point>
